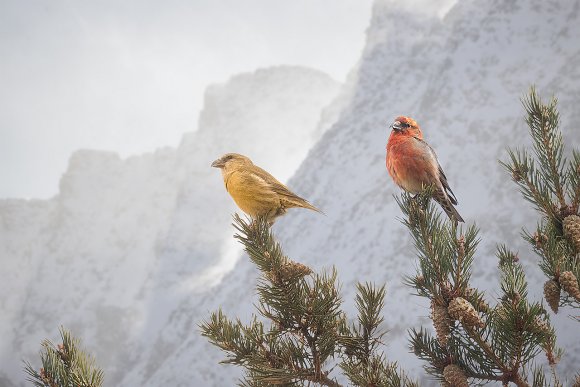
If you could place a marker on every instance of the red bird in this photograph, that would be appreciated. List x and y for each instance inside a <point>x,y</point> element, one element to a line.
<point>413,165</point>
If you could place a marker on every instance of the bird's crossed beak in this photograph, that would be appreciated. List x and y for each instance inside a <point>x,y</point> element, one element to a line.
<point>397,126</point>
<point>218,163</point>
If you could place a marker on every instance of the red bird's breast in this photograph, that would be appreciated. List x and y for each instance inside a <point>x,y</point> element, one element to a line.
<point>408,162</point>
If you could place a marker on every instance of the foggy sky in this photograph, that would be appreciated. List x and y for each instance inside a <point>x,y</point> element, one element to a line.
<point>129,75</point>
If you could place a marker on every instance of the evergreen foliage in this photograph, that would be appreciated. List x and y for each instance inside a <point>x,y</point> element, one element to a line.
<point>301,335</point>
<point>473,340</point>
<point>65,365</point>
<point>308,334</point>
<point>551,182</point>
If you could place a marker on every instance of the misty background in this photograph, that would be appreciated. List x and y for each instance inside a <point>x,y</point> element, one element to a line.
<point>112,112</point>
<point>129,76</point>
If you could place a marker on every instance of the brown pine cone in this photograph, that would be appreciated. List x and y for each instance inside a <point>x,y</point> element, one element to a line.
<point>569,283</point>
<point>454,375</point>
<point>441,322</point>
<point>571,226</point>
<point>552,294</point>
<point>540,325</point>
<point>460,309</point>
<point>294,270</point>
<point>481,306</point>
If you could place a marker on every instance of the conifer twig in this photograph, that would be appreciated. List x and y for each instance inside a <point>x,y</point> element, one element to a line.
<point>554,189</point>
<point>65,365</point>
<point>518,329</point>
<point>543,121</point>
<point>308,328</point>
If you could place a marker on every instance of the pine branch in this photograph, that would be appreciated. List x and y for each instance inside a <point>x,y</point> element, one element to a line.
<point>546,186</point>
<point>363,363</point>
<point>428,349</point>
<point>308,328</point>
<point>525,174</point>
<point>65,365</point>
<point>369,303</point>
<point>554,189</point>
<point>543,121</point>
<point>539,378</point>
<point>465,325</point>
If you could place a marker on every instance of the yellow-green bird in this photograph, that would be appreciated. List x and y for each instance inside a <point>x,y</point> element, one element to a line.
<point>255,191</point>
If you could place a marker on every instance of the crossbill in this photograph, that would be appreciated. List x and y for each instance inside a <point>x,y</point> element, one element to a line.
<point>255,191</point>
<point>413,165</point>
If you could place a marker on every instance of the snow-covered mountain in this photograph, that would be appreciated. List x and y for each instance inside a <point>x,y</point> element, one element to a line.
<point>141,270</point>
<point>461,77</point>
<point>127,245</point>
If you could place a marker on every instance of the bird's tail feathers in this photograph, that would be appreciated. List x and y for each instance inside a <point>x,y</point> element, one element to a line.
<point>299,202</point>
<point>311,207</point>
<point>441,198</point>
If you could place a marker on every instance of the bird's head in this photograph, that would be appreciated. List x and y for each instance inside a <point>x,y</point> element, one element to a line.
<point>230,160</point>
<point>406,126</point>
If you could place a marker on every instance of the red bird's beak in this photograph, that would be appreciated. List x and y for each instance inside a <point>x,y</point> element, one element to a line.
<point>397,126</point>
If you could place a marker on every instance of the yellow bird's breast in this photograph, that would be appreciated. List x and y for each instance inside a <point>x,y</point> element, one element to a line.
<point>251,194</point>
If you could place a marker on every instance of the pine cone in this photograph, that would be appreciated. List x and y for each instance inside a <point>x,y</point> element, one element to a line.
<point>482,306</point>
<point>441,322</point>
<point>569,283</point>
<point>462,310</point>
<point>552,294</point>
<point>294,270</point>
<point>446,289</point>
<point>500,312</point>
<point>540,326</point>
<point>454,375</point>
<point>274,276</point>
<point>539,240</point>
<point>571,226</point>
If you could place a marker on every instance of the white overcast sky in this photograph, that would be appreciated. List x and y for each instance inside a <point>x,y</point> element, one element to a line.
<point>129,75</point>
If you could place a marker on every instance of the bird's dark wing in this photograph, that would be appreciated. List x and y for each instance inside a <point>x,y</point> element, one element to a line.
<point>442,176</point>
<point>445,185</point>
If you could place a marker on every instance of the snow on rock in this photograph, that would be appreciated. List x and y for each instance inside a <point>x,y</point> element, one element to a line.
<point>127,246</point>
<point>461,77</point>
<point>458,68</point>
